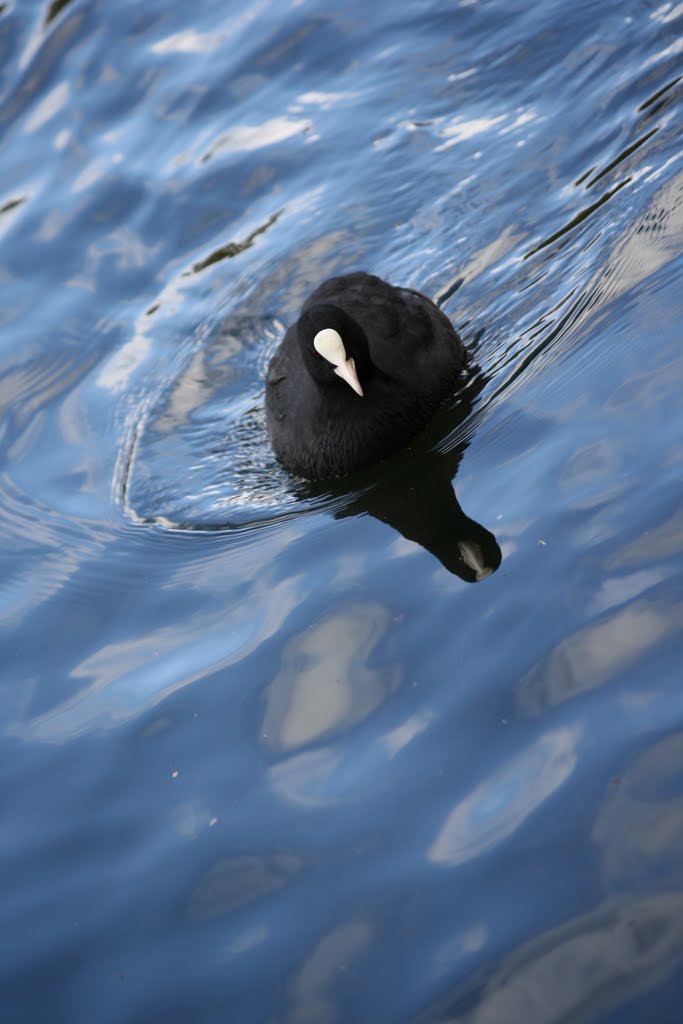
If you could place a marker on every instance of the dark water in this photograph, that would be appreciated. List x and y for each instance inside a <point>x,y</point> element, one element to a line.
<point>276,753</point>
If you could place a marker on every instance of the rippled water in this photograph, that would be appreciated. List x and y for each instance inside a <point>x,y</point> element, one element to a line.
<point>388,749</point>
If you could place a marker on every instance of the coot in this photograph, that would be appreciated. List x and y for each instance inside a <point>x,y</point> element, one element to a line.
<point>359,374</point>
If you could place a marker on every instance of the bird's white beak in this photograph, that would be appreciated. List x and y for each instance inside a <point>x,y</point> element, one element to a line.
<point>328,343</point>
<point>347,372</point>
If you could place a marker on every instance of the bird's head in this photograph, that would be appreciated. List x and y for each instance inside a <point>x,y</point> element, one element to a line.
<point>334,347</point>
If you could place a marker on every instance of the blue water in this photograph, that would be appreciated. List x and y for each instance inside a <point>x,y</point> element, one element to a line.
<point>382,750</point>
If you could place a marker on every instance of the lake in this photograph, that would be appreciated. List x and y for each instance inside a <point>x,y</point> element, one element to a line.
<point>401,747</point>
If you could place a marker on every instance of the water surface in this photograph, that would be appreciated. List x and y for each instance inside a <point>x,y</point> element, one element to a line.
<point>405,747</point>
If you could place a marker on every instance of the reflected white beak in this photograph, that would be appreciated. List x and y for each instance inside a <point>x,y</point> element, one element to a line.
<point>347,372</point>
<point>472,556</point>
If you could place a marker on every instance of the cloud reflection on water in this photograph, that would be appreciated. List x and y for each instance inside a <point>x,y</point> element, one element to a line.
<point>120,679</point>
<point>312,990</point>
<point>234,882</point>
<point>582,969</point>
<point>639,825</point>
<point>497,807</point>
<point>598,653</point>
<point>325,682</point>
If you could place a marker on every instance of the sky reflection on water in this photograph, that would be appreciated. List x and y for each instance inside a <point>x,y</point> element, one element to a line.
<point>401,748</point>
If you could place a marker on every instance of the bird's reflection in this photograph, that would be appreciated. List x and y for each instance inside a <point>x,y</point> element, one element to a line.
<point>413,493</point>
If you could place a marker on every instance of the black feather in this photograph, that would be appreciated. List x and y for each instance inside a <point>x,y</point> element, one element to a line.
<point>408,358</point>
